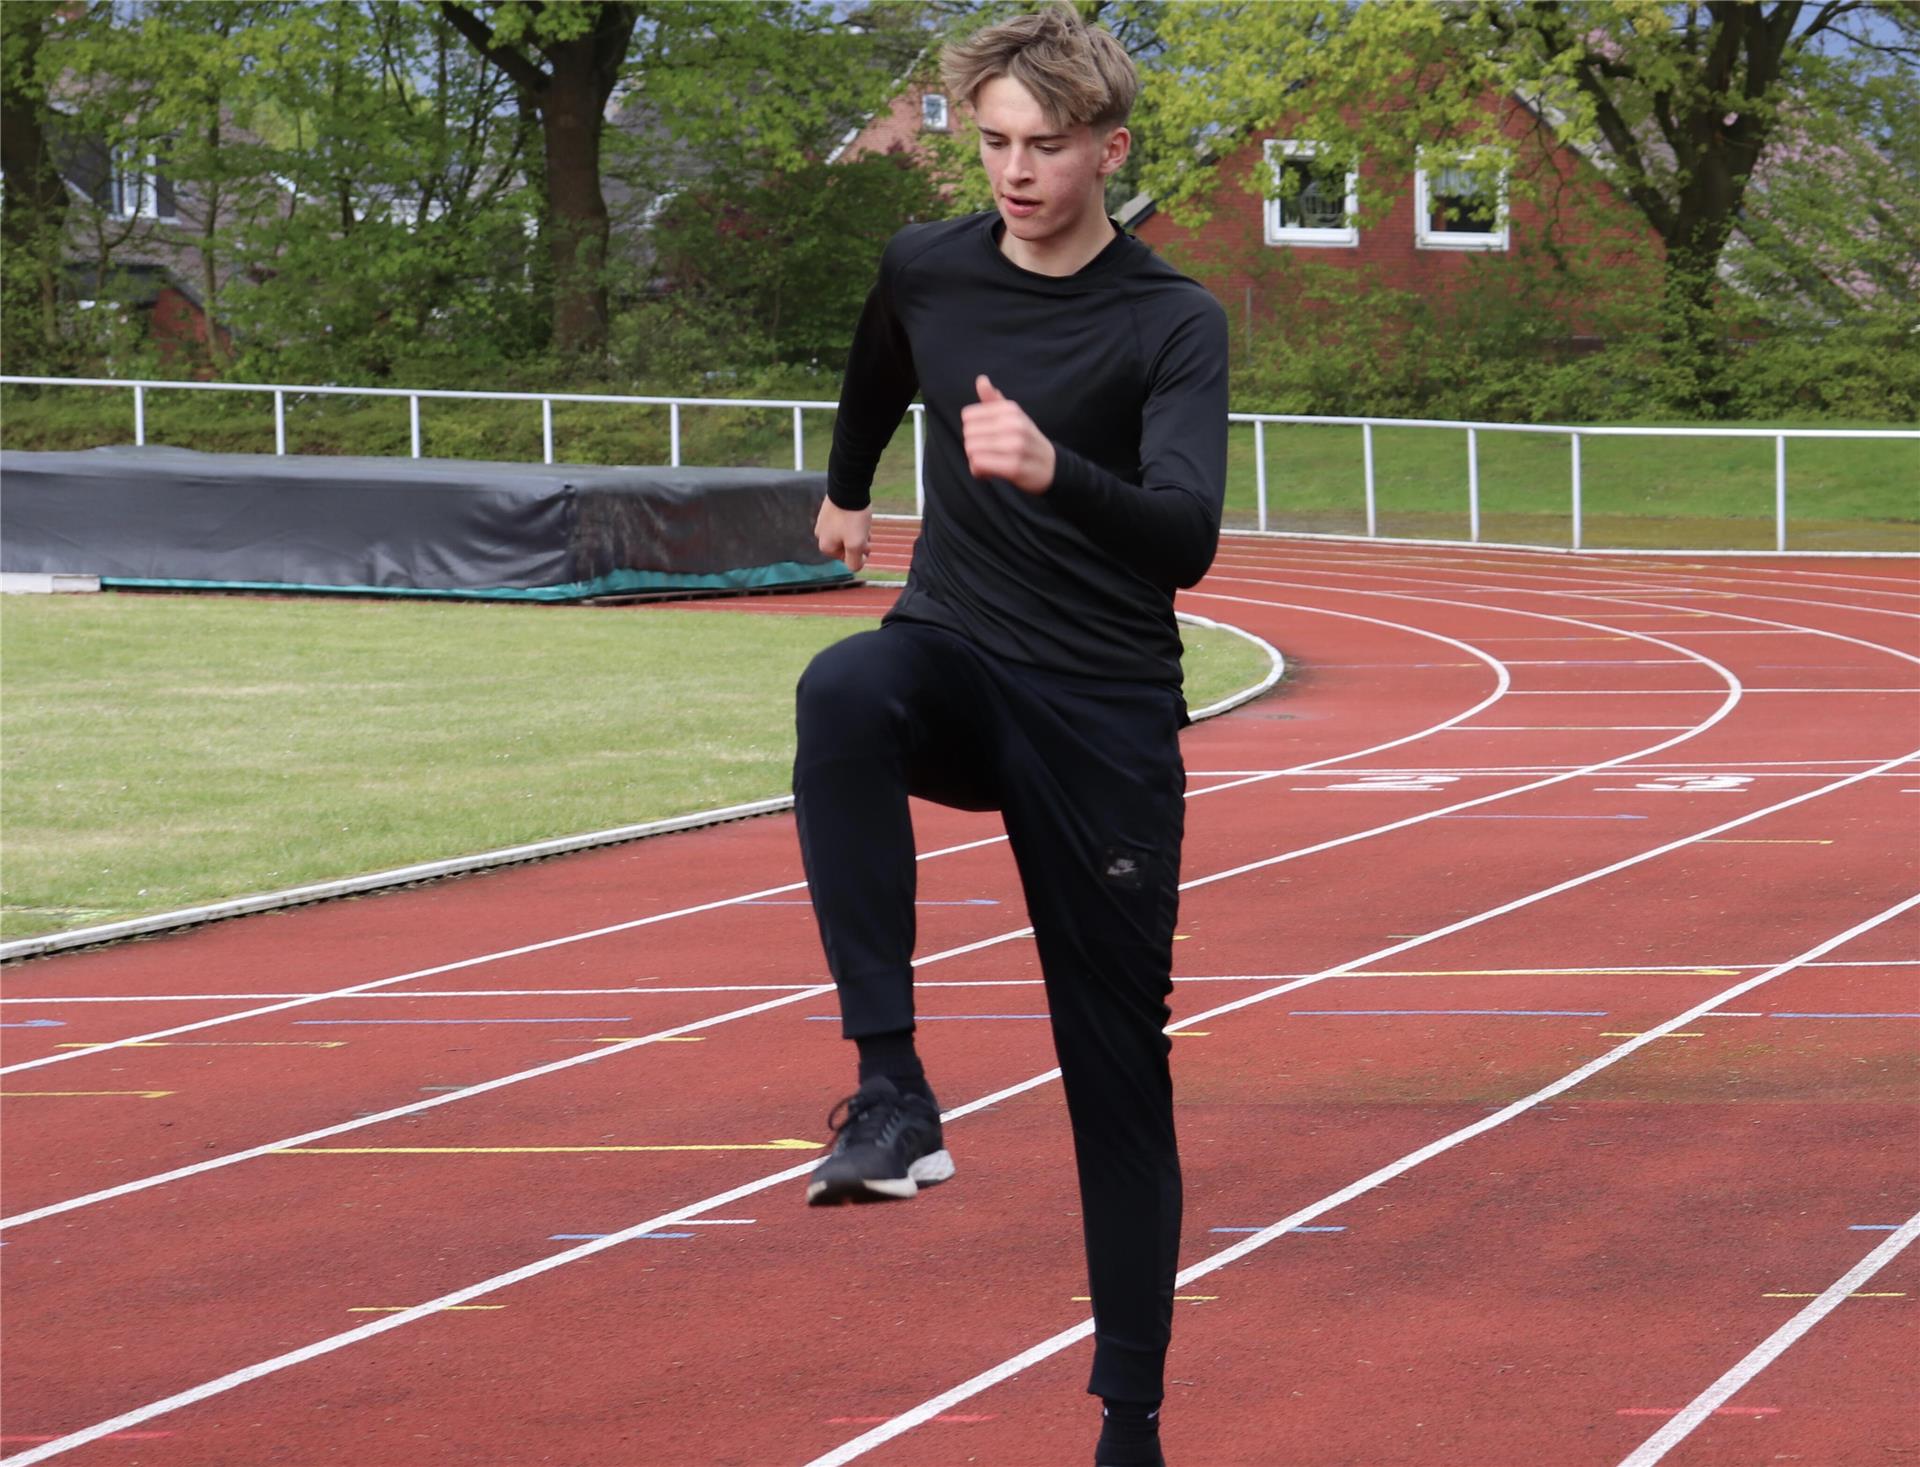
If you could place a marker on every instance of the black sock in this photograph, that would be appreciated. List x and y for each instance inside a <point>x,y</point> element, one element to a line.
<point>1129,1435</point>
<point>892,1055</point>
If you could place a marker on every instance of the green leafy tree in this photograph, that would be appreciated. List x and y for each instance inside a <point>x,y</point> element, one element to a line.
<point>564,60</point>
<point>790,255</point>
<point>402,242</point>
<point>768,81</point>
<point>1681,104</point>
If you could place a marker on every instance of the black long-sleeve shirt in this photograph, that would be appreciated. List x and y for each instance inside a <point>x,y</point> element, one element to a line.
<point>1123,365</point>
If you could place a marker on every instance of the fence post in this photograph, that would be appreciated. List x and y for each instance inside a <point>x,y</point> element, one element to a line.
<point>1473,485</point>
<point>919,459</point>
<point>139,416</point>
<point>1576,491</point>
<point>673,434</point>
<point>1260,469</point>
<point>799,443</point>
<point>413,423</point>
<point>1373,514</point>
<point>1780,492</point>
<point>546,428</point>
<point>279,422</point>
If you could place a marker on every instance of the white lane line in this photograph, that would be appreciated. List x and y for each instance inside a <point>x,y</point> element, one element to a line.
<point>423,993</point>
<point>357,989</point>
<point>1679,1427</point>
<point>1726,708</point>
<point>1646,968</point>
<point>465,1092</point>
<point>213,1163</point>
<point>1653,609</point>
<point>928,1410</point>
<point>1501,684</point>
<point>1679,692</point>
<point>1760,626</point>
<point>1006,1370</point>
<point>1425,572</point>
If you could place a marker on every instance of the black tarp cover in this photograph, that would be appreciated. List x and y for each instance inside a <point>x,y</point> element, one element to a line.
<point>433,527</point>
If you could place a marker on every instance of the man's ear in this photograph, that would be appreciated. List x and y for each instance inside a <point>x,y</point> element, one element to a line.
<point>1114,150</point>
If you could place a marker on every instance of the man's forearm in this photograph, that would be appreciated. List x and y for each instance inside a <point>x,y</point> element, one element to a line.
<point>1164,533</point>
<point>874,395</point>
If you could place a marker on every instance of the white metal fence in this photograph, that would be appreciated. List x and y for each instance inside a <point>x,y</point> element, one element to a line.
<point>1576,508</point>
<point>799,407</point>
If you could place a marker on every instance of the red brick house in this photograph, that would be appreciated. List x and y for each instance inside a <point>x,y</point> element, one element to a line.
<point>130,245</point>
<point>917,113</point>
<point>1527,209</point>
<point>1525,213</point>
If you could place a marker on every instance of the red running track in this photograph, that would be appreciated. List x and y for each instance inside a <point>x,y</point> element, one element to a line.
<point>1547,1007</point>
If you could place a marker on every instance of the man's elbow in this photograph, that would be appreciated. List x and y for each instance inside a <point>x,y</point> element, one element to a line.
<point>1192,550</point>
<point>1189,570</point>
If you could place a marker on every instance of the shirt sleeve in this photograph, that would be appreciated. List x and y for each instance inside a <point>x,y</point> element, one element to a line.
<point>1166,528</point>
<point>874,395</point>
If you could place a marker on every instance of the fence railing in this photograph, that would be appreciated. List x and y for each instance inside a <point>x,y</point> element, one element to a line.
<point>1574,434</point>
<point>801,406</point>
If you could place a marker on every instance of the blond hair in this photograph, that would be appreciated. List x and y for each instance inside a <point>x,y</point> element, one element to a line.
<point>1076,72</point>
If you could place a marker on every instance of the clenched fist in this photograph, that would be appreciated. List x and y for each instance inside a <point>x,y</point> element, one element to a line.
<point>1003,443</point>
<point>844,534</point>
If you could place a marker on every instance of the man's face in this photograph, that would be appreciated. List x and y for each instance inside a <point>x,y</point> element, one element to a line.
<point>1046,178</point>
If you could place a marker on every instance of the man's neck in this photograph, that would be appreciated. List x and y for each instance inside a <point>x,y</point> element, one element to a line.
<point>1065,253</point>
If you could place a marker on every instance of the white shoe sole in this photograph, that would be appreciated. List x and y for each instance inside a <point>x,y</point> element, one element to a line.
<point>929,1171</point>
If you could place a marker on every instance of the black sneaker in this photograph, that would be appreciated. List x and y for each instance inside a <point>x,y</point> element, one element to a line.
<point>886,1148</point>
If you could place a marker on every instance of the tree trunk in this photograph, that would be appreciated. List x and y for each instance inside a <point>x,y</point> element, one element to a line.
<point>1691,345</point>
<point>570,97</point>
<point>209,274</point>
<point>33,215</point>
<point>570,115</point>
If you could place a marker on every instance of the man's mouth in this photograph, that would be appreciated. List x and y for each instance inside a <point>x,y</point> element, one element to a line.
<point>1016,204</point>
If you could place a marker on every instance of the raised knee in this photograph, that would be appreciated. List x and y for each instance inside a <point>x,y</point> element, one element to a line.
<point>841,694</point>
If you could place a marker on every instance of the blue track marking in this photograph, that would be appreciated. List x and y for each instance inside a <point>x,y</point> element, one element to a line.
<point>1540,817</point>
<point>1262,1230</point>
<point>621,1019</point>
<point>1843,1016</point>
<point>930,1018</point>
<point>1428,1013</point>
<point>35,1024</point>
<point>795,902</point>
<point>1873,1227</point>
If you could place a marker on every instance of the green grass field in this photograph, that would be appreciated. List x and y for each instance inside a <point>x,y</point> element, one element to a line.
<point>1639,492</point>
<point>162,751</point>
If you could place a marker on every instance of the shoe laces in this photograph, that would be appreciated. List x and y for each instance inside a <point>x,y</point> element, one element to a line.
<point>861,1117</point>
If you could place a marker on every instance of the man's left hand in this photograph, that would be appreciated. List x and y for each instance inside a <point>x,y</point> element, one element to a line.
<point>1003,443</point>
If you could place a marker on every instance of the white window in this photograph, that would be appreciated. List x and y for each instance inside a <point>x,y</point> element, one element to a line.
<point>933,112</point>
<point>1319,199</point>
<point>137,190</point>
<point>1460,205</point>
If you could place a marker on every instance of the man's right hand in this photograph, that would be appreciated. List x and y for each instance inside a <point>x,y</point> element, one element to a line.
<point>844,534</point>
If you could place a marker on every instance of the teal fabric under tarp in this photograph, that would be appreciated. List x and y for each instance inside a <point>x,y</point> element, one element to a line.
<point>175,519</point>
<point>785,576</point>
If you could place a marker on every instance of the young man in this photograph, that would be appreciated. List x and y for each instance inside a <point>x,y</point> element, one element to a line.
<point>1076,458</point>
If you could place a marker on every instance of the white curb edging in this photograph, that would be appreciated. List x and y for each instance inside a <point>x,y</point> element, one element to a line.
<point>319,891</point>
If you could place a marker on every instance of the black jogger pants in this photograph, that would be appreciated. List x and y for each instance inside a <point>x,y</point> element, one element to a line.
<point>1088,776</point>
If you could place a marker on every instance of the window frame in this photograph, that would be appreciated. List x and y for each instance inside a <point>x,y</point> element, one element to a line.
<point>1276,234</point>
<point>945,124</point>
<point>143,172</point>
<point>1426,238</point>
